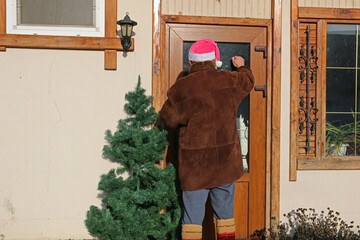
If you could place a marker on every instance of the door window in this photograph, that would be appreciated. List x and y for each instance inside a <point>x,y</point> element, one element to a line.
<point>227,51</point>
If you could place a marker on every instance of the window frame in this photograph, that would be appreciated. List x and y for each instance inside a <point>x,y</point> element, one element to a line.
<point>319,161</point>
<point>110,43</point>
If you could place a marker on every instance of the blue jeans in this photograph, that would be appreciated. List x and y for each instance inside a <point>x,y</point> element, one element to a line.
<point>222,201</point>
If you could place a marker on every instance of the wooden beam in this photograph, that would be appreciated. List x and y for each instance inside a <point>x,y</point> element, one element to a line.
<point>110,56</point>
<point>294,89</point>
<point>275,116</point>
<point>111,18</point>
<point>322,80</point>
<point>268,125</point>
<point>321,89</point>
<point>110,60</point>
<point>331,164</point>
<point>2,16</point>
<point>2,21</point>
<point>216,20</point>
<point>329,13</point>
<point>156,54</point>
<point>59,42</point>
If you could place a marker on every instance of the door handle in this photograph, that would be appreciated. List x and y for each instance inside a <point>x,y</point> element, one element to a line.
<point>261,88</point>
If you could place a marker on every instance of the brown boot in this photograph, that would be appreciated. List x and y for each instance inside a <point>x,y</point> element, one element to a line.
<point>225,229</point>
<point>191,232</point>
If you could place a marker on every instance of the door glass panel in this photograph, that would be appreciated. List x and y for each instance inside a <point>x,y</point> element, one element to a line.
<point>227,51</point>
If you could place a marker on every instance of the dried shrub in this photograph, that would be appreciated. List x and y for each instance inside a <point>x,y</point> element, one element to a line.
<point>306,224</point>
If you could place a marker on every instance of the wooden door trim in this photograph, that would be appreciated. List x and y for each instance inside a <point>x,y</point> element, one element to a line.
<point>227,35</point>
<point>274,98</point>
<point>275,114</point>
<point>229,21</point>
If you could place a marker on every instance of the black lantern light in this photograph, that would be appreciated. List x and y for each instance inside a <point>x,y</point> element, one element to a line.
<point>126,31</point>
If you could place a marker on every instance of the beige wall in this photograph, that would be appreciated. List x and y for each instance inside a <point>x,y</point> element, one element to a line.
<point>316,189</point>
<point>55,107</point>
<point>216,8</point>
<point>330,3</point>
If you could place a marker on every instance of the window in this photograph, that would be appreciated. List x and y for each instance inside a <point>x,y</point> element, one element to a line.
<point>342,90</point>
<point>325,87</point>
<point>62,24</point>
<point>56,17</point>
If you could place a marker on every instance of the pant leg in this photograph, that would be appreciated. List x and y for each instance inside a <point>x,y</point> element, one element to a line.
<point>222,201</point>
<point>194,206</point>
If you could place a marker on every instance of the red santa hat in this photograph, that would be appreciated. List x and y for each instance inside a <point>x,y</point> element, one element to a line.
<point>205,50</point>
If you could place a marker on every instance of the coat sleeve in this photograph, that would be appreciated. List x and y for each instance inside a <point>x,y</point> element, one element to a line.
<point>168,114</point>
<point>244,83</point>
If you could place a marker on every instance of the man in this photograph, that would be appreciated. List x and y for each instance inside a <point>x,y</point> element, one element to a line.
<point>203,106</point>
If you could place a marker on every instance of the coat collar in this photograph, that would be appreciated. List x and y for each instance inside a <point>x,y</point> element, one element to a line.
<point>199,66</point>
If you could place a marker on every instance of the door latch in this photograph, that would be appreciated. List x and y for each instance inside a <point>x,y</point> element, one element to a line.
<point>261,88</point>
<point>261,49</point>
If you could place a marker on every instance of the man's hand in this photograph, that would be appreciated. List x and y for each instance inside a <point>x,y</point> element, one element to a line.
<point>238,61</point>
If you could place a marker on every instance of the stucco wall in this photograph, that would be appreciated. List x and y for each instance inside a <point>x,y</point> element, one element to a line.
<point>55,107</point>
<point>218,8</point>
<point>338,190</point>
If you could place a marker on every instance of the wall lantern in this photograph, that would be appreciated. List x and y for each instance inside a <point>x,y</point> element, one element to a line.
<point>126,31</point>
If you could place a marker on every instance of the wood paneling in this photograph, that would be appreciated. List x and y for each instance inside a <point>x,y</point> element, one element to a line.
<point>330,3</point>
<point>241,210</point>
<point>302,88</point>
<point>57,42</point>
<point>329,13</point>
<point>215,8</point>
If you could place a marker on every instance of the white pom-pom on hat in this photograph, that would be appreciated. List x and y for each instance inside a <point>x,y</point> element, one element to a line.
<point>205,50</point>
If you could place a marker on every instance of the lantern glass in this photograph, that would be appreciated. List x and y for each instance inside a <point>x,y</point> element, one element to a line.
<point>129,30</point>
<point>124,30</point>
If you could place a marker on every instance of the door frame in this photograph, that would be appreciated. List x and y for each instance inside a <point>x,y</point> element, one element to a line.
<point>273,28</point>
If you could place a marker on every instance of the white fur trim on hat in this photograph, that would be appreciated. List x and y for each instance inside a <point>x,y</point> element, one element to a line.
<point>197,57</point>
<point>218,64</point>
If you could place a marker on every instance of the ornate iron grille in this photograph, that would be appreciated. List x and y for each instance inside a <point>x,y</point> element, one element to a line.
<point>307,105</point>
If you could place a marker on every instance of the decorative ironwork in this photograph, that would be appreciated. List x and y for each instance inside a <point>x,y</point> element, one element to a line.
<point>308,112</point>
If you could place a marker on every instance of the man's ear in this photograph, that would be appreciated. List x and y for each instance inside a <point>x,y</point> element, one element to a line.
<point>191,62</point>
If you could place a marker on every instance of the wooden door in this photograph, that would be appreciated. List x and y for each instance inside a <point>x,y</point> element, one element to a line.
<point>249,203</point>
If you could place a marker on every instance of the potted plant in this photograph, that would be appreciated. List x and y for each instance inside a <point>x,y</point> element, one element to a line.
<point>342,139</point>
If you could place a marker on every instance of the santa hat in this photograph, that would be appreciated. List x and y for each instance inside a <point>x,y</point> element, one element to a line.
<point>205,50</point>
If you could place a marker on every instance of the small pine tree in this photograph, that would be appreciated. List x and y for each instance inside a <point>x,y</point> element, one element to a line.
<point>145,205</point>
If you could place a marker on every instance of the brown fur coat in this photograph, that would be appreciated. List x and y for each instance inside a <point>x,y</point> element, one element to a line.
<point>203,106</point>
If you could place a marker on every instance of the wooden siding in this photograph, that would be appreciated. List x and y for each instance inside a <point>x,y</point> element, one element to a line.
<point>218,8</point>
<point>330,3</point>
